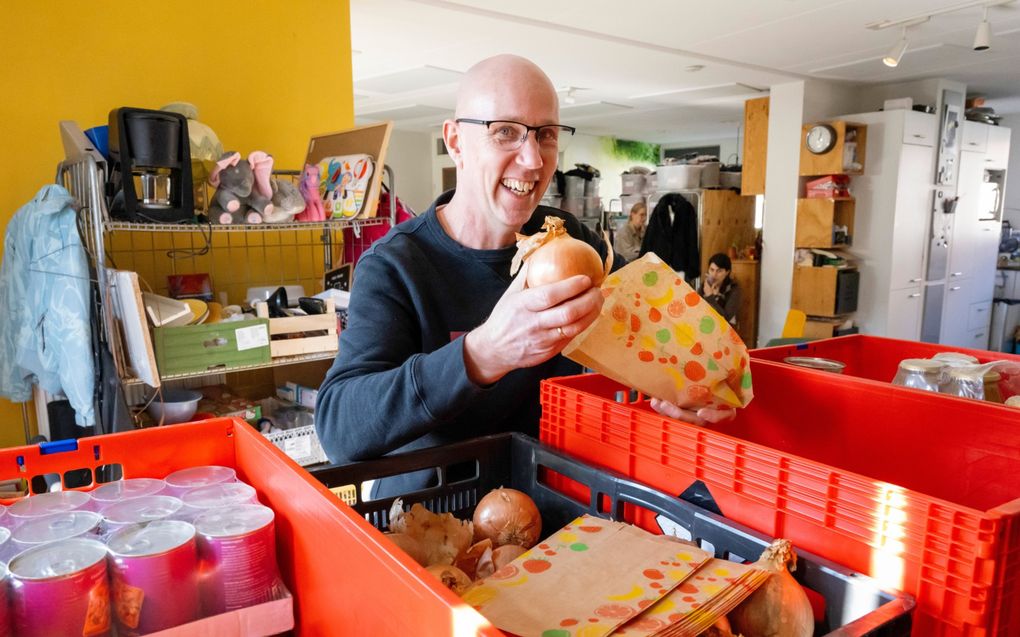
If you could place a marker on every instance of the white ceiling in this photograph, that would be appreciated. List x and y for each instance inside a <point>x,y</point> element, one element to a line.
<point>632,61</point>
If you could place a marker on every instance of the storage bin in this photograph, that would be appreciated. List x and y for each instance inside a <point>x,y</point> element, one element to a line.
<point>730,180</point>
<point>522,463</point>
<point>312,334</point>
<point>632,183</point>
<point>710,174</point>
<point>327,553</point>
<point>678,177</point>
<point>918,490</point>
<point>199,348</point>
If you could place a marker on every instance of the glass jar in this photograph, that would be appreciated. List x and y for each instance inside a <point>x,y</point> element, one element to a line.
<point>966,382</point>
<point>992,394</point>
<point>919,373</point>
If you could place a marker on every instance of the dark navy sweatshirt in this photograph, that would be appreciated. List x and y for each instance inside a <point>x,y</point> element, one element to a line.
<point>399,381</point>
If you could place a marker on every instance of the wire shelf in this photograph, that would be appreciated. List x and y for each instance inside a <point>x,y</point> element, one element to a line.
<point>333,224</point>
<point>275,362</point>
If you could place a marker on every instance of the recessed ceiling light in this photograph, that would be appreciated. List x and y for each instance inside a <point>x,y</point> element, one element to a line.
<point>694,68</point>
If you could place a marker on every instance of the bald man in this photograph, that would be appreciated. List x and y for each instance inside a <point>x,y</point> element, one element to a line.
<point>443,344</point>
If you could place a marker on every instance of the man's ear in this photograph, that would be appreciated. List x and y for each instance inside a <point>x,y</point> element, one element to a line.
<point>451,136</point>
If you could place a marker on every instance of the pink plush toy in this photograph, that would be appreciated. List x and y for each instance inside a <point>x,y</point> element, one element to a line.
<point>309,187</point>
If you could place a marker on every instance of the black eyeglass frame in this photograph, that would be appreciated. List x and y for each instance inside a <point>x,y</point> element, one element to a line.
<point>489,122</point>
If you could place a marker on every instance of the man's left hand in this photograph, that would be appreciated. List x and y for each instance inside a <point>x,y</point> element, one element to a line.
<point>701,417</point>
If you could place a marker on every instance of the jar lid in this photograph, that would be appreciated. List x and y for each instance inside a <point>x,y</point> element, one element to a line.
<point>234,520</point>
<point>46,503</point>
<point>219,495</point>
<point>56,526</point>
<point>130,488</point>
<point>923,365</point>
<point>953,357</point>
<point>153,538</point>
<point>967,372</point>
<point>200,476</point>
<point>142,509</point>
<point>992,376</point>
<point>1013,401</point>
<point>57,559</point>
<point>824,364</point>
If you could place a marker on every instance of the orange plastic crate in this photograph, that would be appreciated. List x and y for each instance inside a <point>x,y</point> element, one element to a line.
<point>917,490</point>
<point>343,575</point>
<point>874,358</point>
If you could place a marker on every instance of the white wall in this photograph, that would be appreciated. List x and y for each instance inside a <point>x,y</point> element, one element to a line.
<point>786,115</point>
<point>597,152</point>
<point>1013,171</point>
<point>410,157</point>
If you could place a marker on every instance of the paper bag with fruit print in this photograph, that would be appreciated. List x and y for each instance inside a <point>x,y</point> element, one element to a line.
<point>657,335</point>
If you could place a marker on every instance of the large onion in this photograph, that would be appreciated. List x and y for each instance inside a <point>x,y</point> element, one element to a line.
<point>553,255</point>
<point>507,516</point>
<point>780,608</point>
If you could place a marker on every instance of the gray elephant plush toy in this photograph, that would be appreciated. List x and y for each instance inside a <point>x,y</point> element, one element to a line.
<point>287,202</point>
<point>243,192</point>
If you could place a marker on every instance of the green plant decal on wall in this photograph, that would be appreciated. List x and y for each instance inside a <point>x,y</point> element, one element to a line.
<point>626,149</point>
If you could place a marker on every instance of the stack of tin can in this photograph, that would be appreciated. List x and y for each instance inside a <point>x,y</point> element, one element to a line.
<point>135,556</point>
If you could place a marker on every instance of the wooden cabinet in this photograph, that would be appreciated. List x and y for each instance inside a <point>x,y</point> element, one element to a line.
<point>850,147</point>
<point>727,220</point>
<point>825,291</point>
<point>745,273</point>
<point>824,223</point>
<point>756,138</point>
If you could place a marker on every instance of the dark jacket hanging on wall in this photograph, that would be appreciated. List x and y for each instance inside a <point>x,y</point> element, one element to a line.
<point>674,242</point>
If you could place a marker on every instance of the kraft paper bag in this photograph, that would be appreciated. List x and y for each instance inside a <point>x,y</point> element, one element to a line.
<point>657,335</point>
<point>586,580</point>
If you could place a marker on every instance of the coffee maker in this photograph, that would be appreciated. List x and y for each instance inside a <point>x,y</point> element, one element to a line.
<point>150,181</point>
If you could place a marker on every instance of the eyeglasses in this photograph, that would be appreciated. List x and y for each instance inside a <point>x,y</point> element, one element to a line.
<point>509,135</point>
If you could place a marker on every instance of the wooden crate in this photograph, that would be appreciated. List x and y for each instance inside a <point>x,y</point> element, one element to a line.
<point>824,291</point>
<point>816,218</point>
<point>217,346</point>
<point>293,327</point>
<point>831,163</point>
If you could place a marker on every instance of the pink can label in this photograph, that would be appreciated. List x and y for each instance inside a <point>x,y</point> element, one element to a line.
<point>77,604</point>
<point>238,571</point>
<point>155,592</point>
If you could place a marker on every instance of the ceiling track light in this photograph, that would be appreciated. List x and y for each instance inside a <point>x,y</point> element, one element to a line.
<point>983,37</point>
<point>892,58</point>
<point>569,97</point>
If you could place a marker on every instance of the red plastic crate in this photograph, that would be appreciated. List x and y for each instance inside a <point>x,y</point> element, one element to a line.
<point>343,575</point>
<point>875,358</point>
<point>918,490</point>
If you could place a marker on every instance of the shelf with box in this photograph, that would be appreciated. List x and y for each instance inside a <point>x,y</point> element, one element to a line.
<point>253,355</point>
<point>824,222</point>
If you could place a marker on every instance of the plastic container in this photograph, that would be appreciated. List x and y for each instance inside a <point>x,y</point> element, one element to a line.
<point>55,526</point>
<point>193,477</point>
<point>146,508</point>
<point>111,492</point>
<point>678,177</point>
<point>884,480</point>
<point>46,503</point>
<point>155,567</point>
<point>522,463</point>
<point>216,496</point>
<point>710,174</point>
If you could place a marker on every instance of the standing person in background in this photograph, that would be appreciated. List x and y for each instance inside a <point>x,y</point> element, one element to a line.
<point>721,291</point>
<point>628,238</point>
<point>442,344</point>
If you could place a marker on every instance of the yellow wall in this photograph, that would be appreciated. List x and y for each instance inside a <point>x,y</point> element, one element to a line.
<point>264,74</point>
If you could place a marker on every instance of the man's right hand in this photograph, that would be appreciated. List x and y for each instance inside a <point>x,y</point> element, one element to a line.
<point>529,326</point>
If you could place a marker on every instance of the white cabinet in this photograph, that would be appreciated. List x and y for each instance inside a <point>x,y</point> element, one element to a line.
<point>997,153</point>
<point>964,239</point>
<point>891,220</point>
<point>955,310</point>
<point>975,137</point>
<point>905,308</point>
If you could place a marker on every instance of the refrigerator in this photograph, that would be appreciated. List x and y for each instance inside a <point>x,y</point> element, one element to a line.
<point>1005,311</point>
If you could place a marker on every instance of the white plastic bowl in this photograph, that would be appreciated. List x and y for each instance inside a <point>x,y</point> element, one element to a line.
<point>174,406</point>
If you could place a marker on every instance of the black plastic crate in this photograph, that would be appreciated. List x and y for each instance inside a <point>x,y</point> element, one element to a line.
<point>466,471</point>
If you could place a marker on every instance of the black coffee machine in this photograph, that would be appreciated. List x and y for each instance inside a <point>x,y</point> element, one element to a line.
<point>150,181</point>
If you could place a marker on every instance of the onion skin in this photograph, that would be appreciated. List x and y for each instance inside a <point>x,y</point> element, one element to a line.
<point>561,258</point>
<point>452,577</point>
<point>507,516</point>
<point>779,608</point>
<point>410,545</point>
<point>506,554</point>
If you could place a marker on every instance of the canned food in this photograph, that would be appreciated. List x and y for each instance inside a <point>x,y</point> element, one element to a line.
<point>154,574</point>
<point>192,477</point>
<point>46,503</point>
<point>60,588</point>
<point>201,500</point>
<point>811,362</point>
<point>55,526</point>
<point>237,557</point>
<point>123,489</point>
<point>146,508</point>
<point>5,614</point>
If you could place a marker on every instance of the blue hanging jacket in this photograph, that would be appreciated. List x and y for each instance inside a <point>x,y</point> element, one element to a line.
<point>45,335</point>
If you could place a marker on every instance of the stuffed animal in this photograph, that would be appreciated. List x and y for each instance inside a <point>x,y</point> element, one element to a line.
<point>287,201</point>
<point>309,187</point>
<point>243,192</point>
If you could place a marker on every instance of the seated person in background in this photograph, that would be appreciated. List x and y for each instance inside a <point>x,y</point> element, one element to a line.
<point>721,292</point>
<point>628,238</point>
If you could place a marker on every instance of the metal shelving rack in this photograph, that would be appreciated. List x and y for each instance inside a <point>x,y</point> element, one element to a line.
<point>234,255</point>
